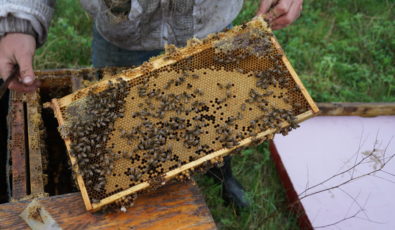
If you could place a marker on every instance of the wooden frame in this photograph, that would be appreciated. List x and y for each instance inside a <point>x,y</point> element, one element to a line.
<point>17,146</point>
<point>25,145</point>
<point>357,109</point>
<point>35,138</point>
<point>156,63</point>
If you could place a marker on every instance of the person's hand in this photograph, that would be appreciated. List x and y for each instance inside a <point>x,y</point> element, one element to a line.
<point>18,49</point>
<point>280,13</point>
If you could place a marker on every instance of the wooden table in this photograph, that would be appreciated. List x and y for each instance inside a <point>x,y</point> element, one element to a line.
<point>174,206</point>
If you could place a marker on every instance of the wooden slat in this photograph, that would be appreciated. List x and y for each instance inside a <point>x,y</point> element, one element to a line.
<point>76,83</point>
<point>357,109</point>
<point>4,153</point>
<point>17,145</point>
<point>34,120</point>
<point>295,77</point>
<point>63,77</point>
<point>73,160</point>
<point>294,203</point>
<point>174,206</point>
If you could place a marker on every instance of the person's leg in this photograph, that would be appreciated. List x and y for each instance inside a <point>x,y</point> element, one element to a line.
<point>232,189</point>
<point>105,54</point>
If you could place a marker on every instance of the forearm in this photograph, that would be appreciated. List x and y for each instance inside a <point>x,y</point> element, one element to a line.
<point>26,16</point>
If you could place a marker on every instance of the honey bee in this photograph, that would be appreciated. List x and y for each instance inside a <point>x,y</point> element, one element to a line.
<point>170,50</point>
<point>228,85</point>
<point>198,92</point>
<point>297,105</point>
<point>239,70</point>
<point>228,94</point>
<point>268,93</point>
<point>195,76</point>
<point>249,100</point>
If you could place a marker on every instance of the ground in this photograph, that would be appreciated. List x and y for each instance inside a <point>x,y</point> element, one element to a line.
<point>342,50</point>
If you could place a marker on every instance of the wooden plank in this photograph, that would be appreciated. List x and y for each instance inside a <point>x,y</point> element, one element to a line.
<point>4,153</point>
<point>294,203</point>
<point>34,121</point>
<point>357,109</point>
<point>174,206</point>
<point>54,78</point>
<point>76,83</point>
<point>17,145</point>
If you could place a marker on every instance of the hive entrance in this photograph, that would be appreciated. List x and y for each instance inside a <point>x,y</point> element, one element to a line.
<point>183,110</point>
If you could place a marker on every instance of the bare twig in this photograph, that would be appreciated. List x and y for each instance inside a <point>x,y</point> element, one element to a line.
<point>339,221</point>
<point>350,169</point>
<point>347,181</point>
<point>355,201</point>
<point>336,175</point>
<point>391,174</point>
<point>368,157</point>
<point>357,153</point>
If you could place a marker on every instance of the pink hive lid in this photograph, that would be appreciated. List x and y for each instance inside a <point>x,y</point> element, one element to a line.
<point>326,146</point>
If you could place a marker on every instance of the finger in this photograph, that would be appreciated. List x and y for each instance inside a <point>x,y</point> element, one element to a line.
<point>5,69</point>
<point>25,62</point>
<point>288,18</point>
<point>264,7</point>
<point>20,87</point>
<point>280,9</point>
<point>278,27</point>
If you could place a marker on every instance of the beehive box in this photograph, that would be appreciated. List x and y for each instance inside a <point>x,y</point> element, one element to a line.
<point>37,160</point>
<point>180,112</point>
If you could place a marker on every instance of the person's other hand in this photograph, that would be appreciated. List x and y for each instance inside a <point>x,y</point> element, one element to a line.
<point>280,13</point>
<point>18,49</point>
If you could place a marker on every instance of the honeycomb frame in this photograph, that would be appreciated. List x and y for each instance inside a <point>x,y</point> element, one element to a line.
<point>180,58</point>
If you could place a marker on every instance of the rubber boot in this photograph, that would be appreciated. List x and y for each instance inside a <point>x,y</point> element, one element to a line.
<point>232,190</point>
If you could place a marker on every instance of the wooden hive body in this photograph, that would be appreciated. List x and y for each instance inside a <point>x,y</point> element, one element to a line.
<point>179,112</point>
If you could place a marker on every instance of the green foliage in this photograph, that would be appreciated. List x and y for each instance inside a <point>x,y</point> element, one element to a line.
<point>69,38</point>
<point>255,170</point>
<point>342,50</point>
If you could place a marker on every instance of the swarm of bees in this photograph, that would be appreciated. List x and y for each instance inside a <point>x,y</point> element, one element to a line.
<point>94,160</point>
<point>139,128</point>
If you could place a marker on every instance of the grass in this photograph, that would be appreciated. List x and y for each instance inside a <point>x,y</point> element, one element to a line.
<point>69,38</point>
<point>255,170</point>
<point>342,50</point>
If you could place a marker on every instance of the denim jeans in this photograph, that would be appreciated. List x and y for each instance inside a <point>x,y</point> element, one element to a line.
<point>106,54</point>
